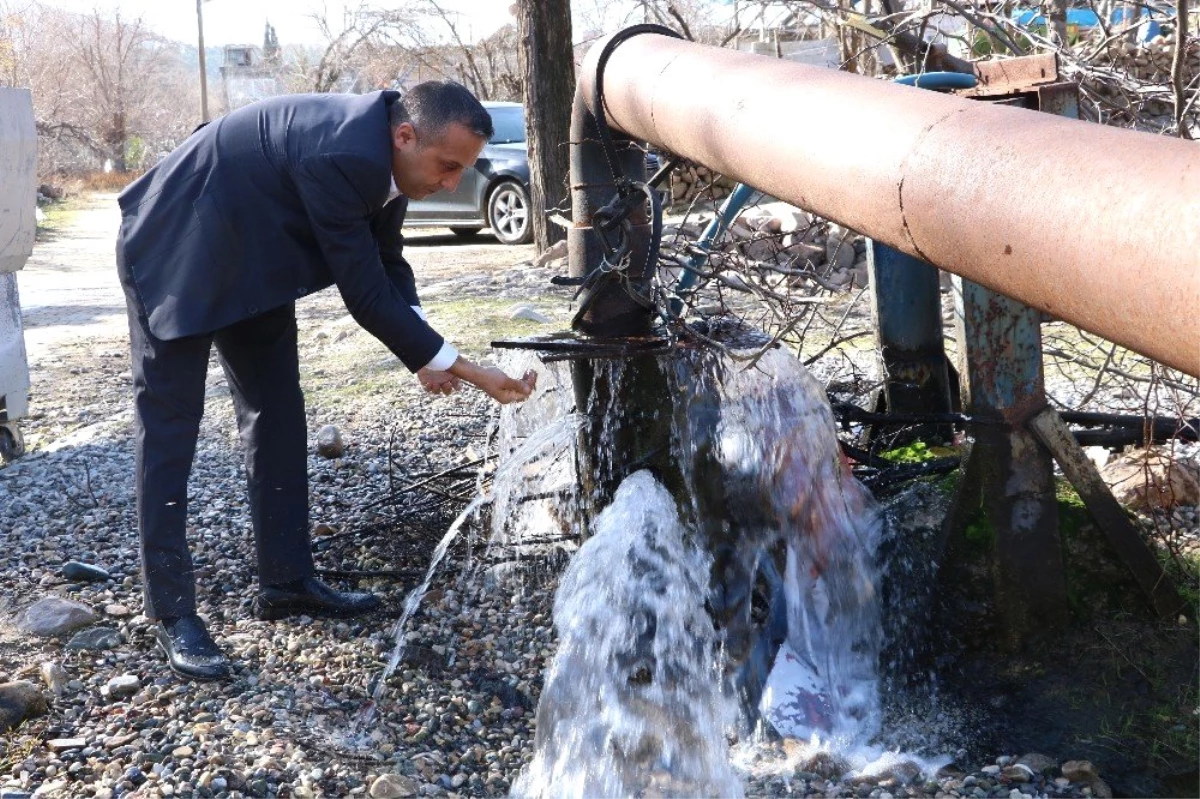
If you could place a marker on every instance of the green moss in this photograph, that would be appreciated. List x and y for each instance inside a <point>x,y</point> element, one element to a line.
<point>917,452</point>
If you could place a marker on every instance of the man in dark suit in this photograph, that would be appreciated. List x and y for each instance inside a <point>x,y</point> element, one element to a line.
<point>255,210</point>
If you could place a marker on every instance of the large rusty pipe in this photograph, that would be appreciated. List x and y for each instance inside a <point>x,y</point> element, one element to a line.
<point>1095,225</point>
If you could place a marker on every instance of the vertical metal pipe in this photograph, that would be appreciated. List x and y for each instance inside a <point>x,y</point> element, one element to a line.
<point>906,297</point>
<point>612,311</point>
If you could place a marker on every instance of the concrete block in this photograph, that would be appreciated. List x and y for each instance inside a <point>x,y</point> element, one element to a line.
<point>18,224</point>
<point>14,372</point>
<point>18,178</point>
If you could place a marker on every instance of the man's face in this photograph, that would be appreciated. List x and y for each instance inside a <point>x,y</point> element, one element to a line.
<point>423,166</point>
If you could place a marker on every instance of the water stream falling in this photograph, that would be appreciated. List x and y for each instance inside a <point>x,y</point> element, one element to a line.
<point>728,580</point>
<point>758,527</point>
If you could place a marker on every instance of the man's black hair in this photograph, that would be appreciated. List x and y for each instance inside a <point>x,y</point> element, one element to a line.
<point>434,104</point>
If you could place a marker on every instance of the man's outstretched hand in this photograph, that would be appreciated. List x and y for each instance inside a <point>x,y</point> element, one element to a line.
<point>488,379</point>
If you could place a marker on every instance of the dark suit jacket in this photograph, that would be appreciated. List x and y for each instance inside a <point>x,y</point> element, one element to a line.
<point>267,204</point>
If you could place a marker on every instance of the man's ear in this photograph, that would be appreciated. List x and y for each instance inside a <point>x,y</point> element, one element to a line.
<point>404,134</point>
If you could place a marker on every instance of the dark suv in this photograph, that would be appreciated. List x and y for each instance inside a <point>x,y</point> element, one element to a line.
<point>494,193</point>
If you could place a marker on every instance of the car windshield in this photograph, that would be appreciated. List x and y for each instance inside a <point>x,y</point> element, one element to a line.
<point>509,124</point>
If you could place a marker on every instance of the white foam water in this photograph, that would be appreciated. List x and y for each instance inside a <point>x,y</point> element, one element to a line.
<point>632,704</point>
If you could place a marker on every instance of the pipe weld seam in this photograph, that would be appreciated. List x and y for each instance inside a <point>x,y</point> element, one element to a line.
<point>908,234</point>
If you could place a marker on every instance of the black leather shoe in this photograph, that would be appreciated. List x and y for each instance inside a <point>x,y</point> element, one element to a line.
<point>312,597</point>
<point>190,650</point>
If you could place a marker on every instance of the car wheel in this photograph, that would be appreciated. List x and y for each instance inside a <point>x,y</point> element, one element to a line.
<point>508,213</point>
<point>465,232</point>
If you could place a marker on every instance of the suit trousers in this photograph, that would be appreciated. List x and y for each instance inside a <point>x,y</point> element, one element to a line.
<point>261,364</point>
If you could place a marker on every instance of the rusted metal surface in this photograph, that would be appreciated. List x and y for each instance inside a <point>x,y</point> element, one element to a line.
<point>1090,224</point>
<point>1001,372</point>
<point>612,311</point>
<point>1012,75</point>
<point>906,299</point>
<point>1053,432</point>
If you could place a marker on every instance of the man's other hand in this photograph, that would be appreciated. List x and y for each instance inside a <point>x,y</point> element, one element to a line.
<point>436,382</point>
<point>505,389</point>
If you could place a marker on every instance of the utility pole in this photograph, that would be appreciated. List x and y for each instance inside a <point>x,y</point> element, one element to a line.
<point>203,66</point>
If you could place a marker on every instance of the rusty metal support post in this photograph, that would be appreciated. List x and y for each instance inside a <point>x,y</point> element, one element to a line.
<point>1110,517</point>
<point>1001,370</point>
<point>1000,366</point>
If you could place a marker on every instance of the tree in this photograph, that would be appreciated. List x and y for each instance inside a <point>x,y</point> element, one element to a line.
<point>548,71</point>
<point>488,67</point>
<point>104,88</point>
<point>365,34</point>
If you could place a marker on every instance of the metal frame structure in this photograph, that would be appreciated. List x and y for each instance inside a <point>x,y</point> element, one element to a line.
<point>980,189</point>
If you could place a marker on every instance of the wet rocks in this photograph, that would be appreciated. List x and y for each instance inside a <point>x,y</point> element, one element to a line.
<point>19,700</point>
<point>53,616</point>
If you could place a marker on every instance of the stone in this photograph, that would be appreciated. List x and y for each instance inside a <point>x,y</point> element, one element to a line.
<point>760,250</point>
<point>1039,763</point>
<point>392,786</point>
<point>801,253</point>
<point>1150,479</point>
<point>55,677</point>
<point>78,572</point>
<point>826,765</point>
<point>1079,771</point>
<point>96,639</point>
<point>123,686</point>
<point>117,610</point>
<point>329,442</point>
<point>19,700</point>
<point>528,313</point>
<point>52,615</point>
<point>1018,772</point>
<point>552,253</point>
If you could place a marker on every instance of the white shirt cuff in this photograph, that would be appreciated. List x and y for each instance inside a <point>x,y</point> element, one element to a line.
<point>446,356</point>
<point>444,359</point>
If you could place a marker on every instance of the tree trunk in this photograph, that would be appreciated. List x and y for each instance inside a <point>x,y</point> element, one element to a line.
<point>548,68</point>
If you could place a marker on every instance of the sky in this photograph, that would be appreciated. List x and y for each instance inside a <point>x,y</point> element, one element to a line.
<point>243,21</point>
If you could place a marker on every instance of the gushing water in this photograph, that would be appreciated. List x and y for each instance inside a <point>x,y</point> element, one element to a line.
<point>629,707</point>
<point>765,532</point>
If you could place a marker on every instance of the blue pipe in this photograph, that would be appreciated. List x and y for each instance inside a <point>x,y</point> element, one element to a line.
<point>728,211</point>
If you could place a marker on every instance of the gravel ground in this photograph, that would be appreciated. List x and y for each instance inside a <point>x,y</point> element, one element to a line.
<point>456,717</point>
